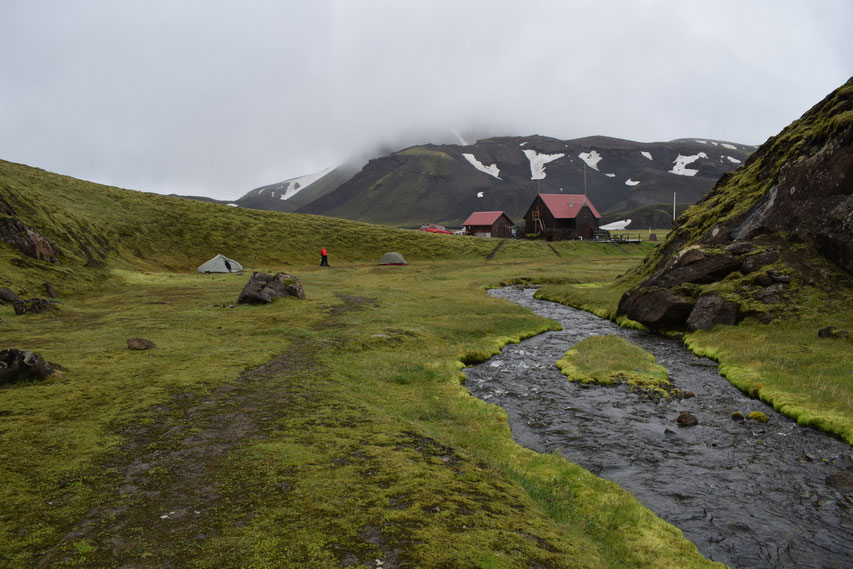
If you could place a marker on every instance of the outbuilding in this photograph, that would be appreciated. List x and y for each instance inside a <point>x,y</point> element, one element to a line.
<point>488,224</point>
<point>562,216</point>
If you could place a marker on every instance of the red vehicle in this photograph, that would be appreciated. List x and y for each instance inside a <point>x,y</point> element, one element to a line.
<point>433,228</point>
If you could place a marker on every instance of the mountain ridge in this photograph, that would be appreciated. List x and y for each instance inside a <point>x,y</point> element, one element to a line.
<point>445,183</point>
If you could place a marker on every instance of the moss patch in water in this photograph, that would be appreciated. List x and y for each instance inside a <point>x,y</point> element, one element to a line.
<point>611,359</point>
<point>757,416</point>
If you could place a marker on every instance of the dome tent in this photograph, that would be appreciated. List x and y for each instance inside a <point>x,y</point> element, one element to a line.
<point>221,264</point>
<point>392,259</point>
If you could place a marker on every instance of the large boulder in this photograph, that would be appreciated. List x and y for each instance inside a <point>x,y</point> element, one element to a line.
<point>655,307</point>
<point>33,306</point>
<point>263,288</point>
<point>8,296</point>
<point>710,310</point>
<point>695,266</point>
<point>21,365</point>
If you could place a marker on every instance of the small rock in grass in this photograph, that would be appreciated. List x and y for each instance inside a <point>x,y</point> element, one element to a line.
<point>139,344</point>
<point>832,332</point>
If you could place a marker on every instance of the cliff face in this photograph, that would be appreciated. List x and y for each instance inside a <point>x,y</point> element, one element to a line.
<point>761,230</point>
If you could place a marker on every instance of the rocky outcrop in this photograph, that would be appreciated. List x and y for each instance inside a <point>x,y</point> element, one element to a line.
<point>694,266</point>
<point>263,288</point>
<point>22,365</point>
<point>760,230</point>
<point>813,201</point>
<point>656,307</point>
<point>710,310</point>
<point>34,306</point>
<point>27,240</point>
<point>8,296</point>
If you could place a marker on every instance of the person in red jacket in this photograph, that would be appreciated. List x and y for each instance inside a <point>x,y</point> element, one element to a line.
<point>324,258</point>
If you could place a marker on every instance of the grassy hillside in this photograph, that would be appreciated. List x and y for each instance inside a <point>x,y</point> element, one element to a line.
<point>97,226</point>
<point>329,432</point>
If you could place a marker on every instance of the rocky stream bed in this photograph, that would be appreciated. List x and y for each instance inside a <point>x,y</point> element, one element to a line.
<point>748,494</point>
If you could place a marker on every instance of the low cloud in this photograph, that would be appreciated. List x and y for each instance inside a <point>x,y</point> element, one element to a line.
<point>216,98</point>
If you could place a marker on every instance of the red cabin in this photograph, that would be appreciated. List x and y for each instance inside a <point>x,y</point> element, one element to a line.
<point>488,224</point>
<point>562,216</point>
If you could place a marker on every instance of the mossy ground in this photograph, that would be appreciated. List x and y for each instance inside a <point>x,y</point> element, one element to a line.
<point>328,432</point>
<point>611,359</point>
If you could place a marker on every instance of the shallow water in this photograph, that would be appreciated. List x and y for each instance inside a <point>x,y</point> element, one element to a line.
<point>750,495</point>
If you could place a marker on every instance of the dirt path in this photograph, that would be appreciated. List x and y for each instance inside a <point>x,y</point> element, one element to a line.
<point>163,481</point>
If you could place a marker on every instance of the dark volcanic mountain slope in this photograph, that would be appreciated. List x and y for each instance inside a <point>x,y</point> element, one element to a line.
<point>446,183</point>
<point>761,231</point>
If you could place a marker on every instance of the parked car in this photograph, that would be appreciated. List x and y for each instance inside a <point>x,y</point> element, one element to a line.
<point>460,232</point>
<point>433,228</point>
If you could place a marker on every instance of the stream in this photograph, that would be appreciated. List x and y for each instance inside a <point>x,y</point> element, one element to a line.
<point>748,494</point>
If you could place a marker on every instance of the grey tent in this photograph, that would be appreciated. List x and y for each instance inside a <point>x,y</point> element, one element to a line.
<point>221,264</point>
<point>392,259</point>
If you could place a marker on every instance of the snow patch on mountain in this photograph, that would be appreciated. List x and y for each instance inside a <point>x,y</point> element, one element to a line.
<point>479,194</point>
<point>609,175</point>
<point>702,141</point>
<point>630,182</point>
<point>646,154</point>
<point>492,170</point>
<point>538,161</point>
<point>681,163</point>
<point>592,158</point>
<point>733,160</point>
<point>729,146</point>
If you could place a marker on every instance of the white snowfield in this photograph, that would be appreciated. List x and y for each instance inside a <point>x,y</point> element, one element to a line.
<point>630,182</point>
<point>538,161</point>
<point>592,158</point>
<point>290,188</point>
<point>492,170</point>
<point>304,181</point>
<point>616,225</point>
<point>733,160</point>
<point>646,154</point>
<point>729,146</point>
<point>609,175</point>
<point>479,194</point>
<point>681,163</point>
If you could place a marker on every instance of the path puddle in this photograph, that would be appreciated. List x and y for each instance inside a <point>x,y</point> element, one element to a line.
<point>748,494</point>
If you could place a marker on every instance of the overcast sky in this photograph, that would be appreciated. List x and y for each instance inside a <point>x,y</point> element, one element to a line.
<point>215,98</point>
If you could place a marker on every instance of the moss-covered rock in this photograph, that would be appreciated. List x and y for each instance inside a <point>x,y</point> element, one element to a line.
<point>757,416</point>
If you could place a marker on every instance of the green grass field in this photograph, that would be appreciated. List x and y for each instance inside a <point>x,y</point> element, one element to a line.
<point>331,431</point>
<point>327,432</point>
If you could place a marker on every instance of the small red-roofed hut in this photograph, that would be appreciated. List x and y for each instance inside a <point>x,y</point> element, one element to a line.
<point>488,224</point>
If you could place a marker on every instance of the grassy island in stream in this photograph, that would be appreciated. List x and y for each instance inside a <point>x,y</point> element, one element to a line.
<point>611,359</point>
